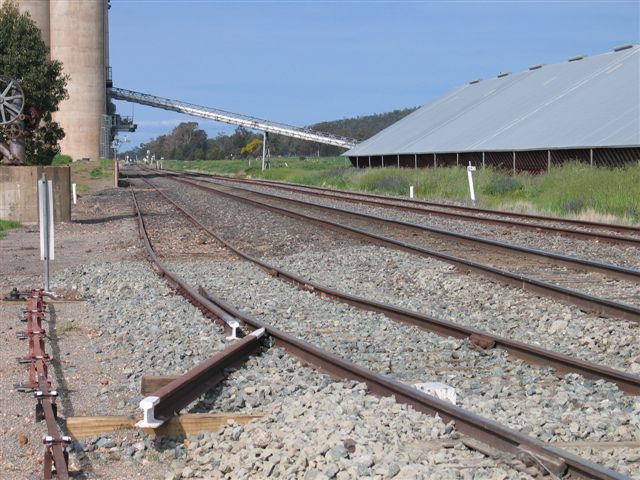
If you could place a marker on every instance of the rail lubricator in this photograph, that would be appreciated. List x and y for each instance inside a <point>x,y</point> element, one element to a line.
<point>553,460</point>
<point>55,452</point>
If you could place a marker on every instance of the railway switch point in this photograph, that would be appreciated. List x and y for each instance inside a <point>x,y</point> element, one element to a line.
<point>439,390</point>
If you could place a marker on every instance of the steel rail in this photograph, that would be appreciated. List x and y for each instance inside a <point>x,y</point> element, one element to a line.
<point>627,382</point>
<point>348,197</point>
<point>168,400</point>
<point>483,429</point>
<point>566,295</point>
<point>613,271</point>
<point>583,223</point>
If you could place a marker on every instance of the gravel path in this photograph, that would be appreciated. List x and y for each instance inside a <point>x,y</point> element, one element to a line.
<point>422,284</point>
<point>604,252</point>
<point>526,398</point>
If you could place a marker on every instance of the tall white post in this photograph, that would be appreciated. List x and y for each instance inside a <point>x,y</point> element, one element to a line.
<point>472,193</point>
<point>45,214</point>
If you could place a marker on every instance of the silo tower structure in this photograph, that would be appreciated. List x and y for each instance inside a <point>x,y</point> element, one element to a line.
<point>77,35</point>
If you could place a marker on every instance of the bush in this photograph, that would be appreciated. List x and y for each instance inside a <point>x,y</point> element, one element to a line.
<point>96,172</point>
<point>502,186</point>
<point>62,159</point>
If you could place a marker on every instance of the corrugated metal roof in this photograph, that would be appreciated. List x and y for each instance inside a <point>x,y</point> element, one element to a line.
<point>587,102</point>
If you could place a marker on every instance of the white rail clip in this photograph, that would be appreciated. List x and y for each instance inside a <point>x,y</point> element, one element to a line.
<point>234,330</point>
<point>147,405</point>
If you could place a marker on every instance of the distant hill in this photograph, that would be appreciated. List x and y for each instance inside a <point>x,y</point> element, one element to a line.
<point>361,128</point>
<point>188,142</point>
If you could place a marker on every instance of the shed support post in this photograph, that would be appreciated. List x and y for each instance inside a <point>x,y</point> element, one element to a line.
<point>382,160</point>
<point>415,160</point>
<point>434,161</point>
<point>457,159</point>
<point>482,159</point>
<point>514,163</point>
<point>591,157</point>
<point>357,162</point>
<point>398,160</point>
<point>369,161</point>
<point>548,160</point>
<point>264,148</point>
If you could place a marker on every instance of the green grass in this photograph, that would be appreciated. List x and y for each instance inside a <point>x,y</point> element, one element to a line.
<point>6,225</point>
<point>103,170</point>
<point>573,189</point>
<point>62,160</point>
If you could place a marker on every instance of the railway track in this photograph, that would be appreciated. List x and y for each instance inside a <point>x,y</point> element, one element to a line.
<point>490,432</point>
<point>565,278</point>
<point>600,232</point>
<point>627,382</point>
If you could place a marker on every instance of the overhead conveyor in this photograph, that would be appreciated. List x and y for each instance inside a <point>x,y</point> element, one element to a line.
<point>232,118</point>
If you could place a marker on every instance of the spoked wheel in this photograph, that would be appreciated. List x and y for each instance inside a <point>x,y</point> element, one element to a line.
<point>11,100</point>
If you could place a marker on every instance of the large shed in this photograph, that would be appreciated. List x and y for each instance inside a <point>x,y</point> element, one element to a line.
<point>587,108</point>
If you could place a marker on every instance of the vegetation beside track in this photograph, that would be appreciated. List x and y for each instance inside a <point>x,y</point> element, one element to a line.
<point>6,225</point>
<point>572,190</point>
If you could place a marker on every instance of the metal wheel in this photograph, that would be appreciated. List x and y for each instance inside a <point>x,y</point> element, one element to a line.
<point>11,100</point>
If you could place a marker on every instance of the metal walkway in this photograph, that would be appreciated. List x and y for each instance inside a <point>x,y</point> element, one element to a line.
<point>232,118</point>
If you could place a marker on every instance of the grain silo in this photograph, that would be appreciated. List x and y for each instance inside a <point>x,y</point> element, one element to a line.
<point>77,34</point>
<point>78,41</point>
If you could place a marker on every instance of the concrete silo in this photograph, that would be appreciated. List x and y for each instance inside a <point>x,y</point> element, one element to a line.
<point>78,35</point>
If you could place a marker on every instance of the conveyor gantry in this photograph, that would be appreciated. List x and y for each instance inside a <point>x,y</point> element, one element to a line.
<point>232,118</point>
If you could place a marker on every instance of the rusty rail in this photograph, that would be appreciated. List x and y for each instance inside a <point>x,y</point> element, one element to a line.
<point>566,295</point>
<point>173,397</point>
<point>485,430</point>
<point>55,452</point>
<point>613,271</point>
<point>627,382</point>
<point>410,204</point>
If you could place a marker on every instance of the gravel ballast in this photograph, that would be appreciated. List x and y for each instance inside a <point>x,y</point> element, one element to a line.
<point>418,283</point>
<point>309,417</point>
<point>529,399</point>
<point>622,255</point>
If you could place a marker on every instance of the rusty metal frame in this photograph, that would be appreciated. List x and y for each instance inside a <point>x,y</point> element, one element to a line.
<point>55,452</point>
<point>627,382</point>
<point>483,429</point>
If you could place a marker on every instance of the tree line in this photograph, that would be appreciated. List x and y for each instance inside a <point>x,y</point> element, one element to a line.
<point>189,142</point>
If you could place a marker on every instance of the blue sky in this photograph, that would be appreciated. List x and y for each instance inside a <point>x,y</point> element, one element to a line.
<point>304,62</point>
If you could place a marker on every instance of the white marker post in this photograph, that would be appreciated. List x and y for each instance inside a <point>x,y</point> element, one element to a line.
<point>45,214</point>
<point>74,192</point>
<point>470,170</point>
<point>411,191</point>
